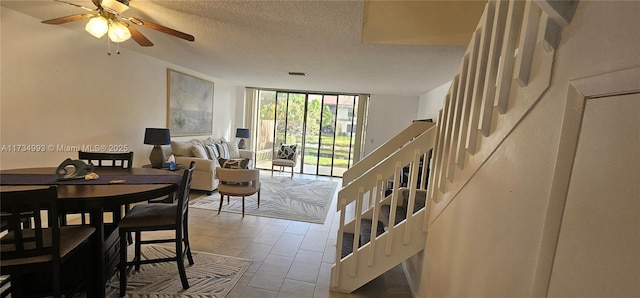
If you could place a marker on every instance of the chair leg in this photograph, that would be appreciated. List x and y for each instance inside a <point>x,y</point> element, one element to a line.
<point>180,261</point>
<point>55,279</point>
<point>123,264</point>
<point>291,173</point>
<point>185,236</point>
<point>258,198</point>
<point>137,250</point>
<point>271,170</point>
<point>127,207</point>
<point>242,206</point>
<point>221,200</point>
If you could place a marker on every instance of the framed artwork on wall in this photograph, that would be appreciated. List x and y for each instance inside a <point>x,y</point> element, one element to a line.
<point>189,104</point>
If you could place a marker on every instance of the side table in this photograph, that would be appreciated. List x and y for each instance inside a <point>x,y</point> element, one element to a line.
<point>177,168</point>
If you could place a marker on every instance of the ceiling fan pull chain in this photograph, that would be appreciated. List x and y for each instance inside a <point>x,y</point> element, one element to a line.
<point>108,46</point>
<point>118,50</point>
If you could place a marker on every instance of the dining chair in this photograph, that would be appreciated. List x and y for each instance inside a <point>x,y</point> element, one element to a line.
<point>238,183</point>
<point>158,217</point>
<point>44,248</point>
<point>108,159</point>
<point>123,160</point>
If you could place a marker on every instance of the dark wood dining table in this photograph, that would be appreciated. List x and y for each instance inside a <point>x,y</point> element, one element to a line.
<point>114,187</point>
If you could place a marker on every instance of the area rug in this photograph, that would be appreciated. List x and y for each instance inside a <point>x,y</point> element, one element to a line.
<point>280,197</point>
<point>212,276</point>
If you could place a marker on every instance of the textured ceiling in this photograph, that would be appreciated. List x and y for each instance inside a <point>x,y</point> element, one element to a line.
<point>256,43</point>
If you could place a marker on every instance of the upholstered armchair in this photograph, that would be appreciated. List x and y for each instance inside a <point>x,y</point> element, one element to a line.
<point>286,156</point>
<point>238,183</point>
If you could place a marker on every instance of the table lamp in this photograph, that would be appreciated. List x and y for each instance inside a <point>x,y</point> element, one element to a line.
<point>157,137</point>
<point>242,133</point>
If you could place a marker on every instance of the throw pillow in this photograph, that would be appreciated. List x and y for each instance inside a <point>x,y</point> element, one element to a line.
<point>181,148</point>
<point>198,151</point>
<point>208,141</point>
<point>196,142</point>
<point>234,152</point>
<point>287,152</point>
<point>223,150</point>
<point>212,151</point>
<point>234,164</point>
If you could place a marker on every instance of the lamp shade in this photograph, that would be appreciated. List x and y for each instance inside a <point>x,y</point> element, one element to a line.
<point>118,32</point>
<point>157,136</point>
<point>242,133</point>
<point>97,26</point>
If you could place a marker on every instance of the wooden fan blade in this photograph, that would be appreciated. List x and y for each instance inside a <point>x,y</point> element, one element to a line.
<point>162,29</point>
<point>62,20</point>
<point>138,37</point>
<point>77,5</point>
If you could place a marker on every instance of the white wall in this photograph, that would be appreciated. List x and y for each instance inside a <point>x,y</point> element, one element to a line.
<point>486,242</point>
<point>388,115</point>
<point>431,102</point>
<point>241,105</point>
<point>60,87</point>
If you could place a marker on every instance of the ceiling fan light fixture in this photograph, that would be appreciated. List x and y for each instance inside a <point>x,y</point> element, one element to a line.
<point>106,18</point>
<point>97,26</point>
<point>118,32</point>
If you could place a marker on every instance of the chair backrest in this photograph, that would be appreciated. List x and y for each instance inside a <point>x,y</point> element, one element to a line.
<point>43,239</point>
<point>108,159</point>
<point>238,176</point>
<point>183,193</point>
<point>293,156</point>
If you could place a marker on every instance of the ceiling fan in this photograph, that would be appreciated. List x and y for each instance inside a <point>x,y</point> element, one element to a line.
<point>107,19</point>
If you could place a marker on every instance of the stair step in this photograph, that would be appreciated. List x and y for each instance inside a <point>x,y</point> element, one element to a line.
<point>365,230</point>
<point>421,199</point>
<point>347,244</point>
<point>420,203</point>
<point>401,214</point>
<point>401,211</point>
<point>365,236</point>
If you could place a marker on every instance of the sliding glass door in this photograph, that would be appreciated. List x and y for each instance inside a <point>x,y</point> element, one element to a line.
<point>321,125</point>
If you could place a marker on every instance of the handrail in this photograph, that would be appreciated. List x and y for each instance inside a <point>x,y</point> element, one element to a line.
<point>386,149</point>
<point>405,155</point>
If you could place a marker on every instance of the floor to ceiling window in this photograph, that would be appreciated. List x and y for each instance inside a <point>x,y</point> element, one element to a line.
<point>323,126</point>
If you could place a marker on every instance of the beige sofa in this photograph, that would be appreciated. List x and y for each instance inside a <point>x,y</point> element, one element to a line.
<point>204,175</point>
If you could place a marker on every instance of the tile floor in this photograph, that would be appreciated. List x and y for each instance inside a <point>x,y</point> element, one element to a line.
<point>290,258</point>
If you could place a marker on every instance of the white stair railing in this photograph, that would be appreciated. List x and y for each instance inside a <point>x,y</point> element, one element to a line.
<point>366,195</point>
<point>386,149</point>
<point>511,51</point>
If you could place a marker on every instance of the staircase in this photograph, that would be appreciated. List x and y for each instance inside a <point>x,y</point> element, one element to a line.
<point>511,51</point>
<point>383,233</point>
